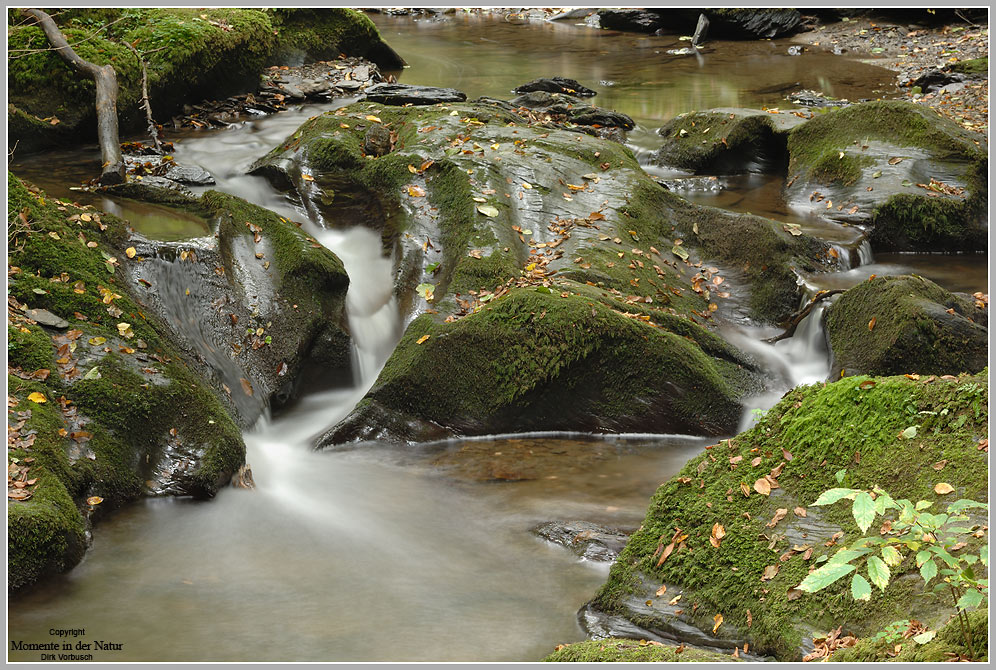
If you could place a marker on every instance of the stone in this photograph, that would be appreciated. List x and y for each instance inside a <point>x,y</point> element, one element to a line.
<point>45,318</point>
<point>193,175</point>
<point>633,20</point>
<point>405,94</point>
<point>377,141</point>
<point>555,85</point>
<point>588,540</point>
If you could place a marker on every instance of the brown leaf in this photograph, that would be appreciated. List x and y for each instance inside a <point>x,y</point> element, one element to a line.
<point>735,459</point>
<point>745,489</point>
<point>777,471</point>
<point>786,455</point>
<point>750,619</point>
<point>939,465</point>
<point>246,386</point>
<point>662,590</point>
<point>800,511</point>
<point>755,462</point>
<point>806,555</point>
<point>871,324</point>
<point>780,514</point>
<point>762,486</point>
<point>667,552</point>
<point>943,488</point>
<point>793,594</point>
<point>769,573</point>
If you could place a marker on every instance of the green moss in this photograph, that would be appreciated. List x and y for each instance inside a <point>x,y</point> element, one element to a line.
<point>915,222</point>
<point>31,350</point>
<point>323,34</point>
<point>530,352</point>
<point>714,143</point>
<point>971,66</point>
<point>949,643</point>
<point>129,412</point>
<point>826,429</point>
<point>911,334</point>
<point>834,169</point>
<point>631,651</point>
<point>900,123</point>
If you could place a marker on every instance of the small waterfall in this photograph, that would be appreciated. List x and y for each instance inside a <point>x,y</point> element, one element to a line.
<point>865,253</point>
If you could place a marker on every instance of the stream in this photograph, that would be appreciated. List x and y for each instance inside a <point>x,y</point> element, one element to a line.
<point>425,553</point>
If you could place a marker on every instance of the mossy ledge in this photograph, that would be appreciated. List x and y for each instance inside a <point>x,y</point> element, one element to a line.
<point>192,54</point>
<point>849,428</point>
<point>123,414</point>
<point>949,644</point>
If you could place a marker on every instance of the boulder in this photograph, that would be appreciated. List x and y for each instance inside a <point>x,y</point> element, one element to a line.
<point>404,94</point>
<point>816,438</point>
<point>735,24</point>
<point>899,325</point>
<point>508,234</point>
<point>917,177</point>
<point>123,416</point>
<point>726,141</point>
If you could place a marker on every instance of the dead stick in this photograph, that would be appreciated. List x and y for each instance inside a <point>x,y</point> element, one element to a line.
<point>106,83</point>
<point>145,100</point>
<point>797,318</point>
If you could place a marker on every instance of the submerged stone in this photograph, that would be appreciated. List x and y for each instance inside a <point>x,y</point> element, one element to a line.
<point>586,539</point>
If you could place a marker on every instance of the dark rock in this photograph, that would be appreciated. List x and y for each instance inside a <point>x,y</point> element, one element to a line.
<point>555,85</point>
<point>633,20</point>
<point>919,328</point>
<point>933,80</point>
<point>579,13</point>
<point>377,141</point>
<point>46,318</point>
<point>572,110</point>
<point>592,116</point>
<point>587,540</point>
<point>749,23</point>
<point>701,30</point>
<point>404,94</point>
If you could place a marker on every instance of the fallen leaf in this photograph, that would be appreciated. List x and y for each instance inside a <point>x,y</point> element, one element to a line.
<point>763,486</point>
<point>246,386</point>
<point>718,619</point>
<point>371,117</point>
<point>940,489</point>
<point>769,573</point>
<point>895,160</point>
<point>662,590</point>
<point>37,397</point>
<point>416,191</point>
<point>871,324</point>
<point>94,500</point>
<point>800,511</point>
<point>130,252</point>
<point>488,210</point>
<point>422,339</point>
<point>745,489</point>
<point>780,514</point>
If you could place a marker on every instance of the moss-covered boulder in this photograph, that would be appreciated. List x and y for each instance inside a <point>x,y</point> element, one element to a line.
<point>614,650</point>
<point>106,410</point>
<point>726,141</point>
<point>259,307</point>
<point>192,54</point>
<point>849,434</point>
<point>900,325</point>
<point>546,258</point>
<point>917,177</point>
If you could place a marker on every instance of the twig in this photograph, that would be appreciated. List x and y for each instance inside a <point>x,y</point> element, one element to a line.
<point>145,100</point>
<point>965,18</point>
<point>797,318</point>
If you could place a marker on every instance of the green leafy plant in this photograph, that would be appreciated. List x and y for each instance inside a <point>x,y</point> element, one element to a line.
<point>908,528</point>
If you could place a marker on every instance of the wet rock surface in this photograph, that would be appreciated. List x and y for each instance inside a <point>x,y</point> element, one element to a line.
<point>588,540</point>
<point>899,325</point>
<point>405,94</point>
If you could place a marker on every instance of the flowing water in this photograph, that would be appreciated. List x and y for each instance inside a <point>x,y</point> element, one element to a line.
<point>425,553</point>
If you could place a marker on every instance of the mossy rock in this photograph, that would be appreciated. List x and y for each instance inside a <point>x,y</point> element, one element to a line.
<point>534,360</point>
<point>726,141</point>
<point>949,644</point>
<point>192,54</point>
<point>971,66</point>
<point>917,177</point>
<point>124,416</point>
<point>900,325</point>
<point>614,650</point>
<point>823,436</point>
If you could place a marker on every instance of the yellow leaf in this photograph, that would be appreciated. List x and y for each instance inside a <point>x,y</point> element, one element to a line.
<point>530,267</point>
<point>526,185</point>
<point>674,601</point>
<point>422,339</point>
<point>719,622</point>
<point>130,252</point>
<point>416,191</point>
<point>371,117</point>
<point>94,500</point>
<point>662,590</point>
<point>37,397</point>
<point>97,341</point>
<point>307,177</point>
<point>940,489</point>
<point>412,169</point>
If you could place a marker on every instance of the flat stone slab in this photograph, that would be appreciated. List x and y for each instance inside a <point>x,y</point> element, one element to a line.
<point>46,318</point>
<point>404,94</point>
<point>555,85</point>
